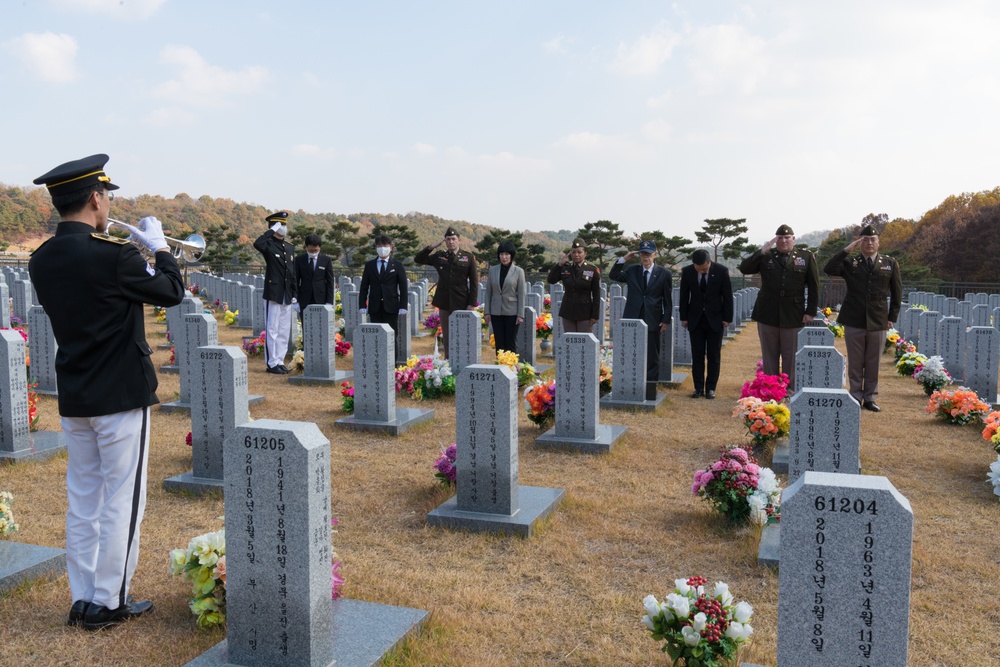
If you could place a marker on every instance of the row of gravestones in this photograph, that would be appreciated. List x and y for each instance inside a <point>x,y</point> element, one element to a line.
<point>968,346</point>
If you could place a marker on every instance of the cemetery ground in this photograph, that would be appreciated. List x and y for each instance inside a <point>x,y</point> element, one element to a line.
<point>572,593</point>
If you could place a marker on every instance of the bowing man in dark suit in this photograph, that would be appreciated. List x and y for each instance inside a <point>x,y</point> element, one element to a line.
<point>706,309</point>
<point>314,273</point>
<point>649,299</point>
<point>384,286</point>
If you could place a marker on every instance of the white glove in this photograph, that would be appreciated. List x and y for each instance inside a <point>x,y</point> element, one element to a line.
<point>363,311</point>
<point>275,227</point>
<point>149,232</point>
<point>402,311</point>
<point>295,306</point>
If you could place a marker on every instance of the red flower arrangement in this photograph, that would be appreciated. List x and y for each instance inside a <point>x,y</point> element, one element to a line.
<point>766,387</point>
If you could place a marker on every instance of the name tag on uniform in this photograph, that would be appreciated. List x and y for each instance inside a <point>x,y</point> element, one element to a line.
<point>800,261</point>
<point>321,268</point>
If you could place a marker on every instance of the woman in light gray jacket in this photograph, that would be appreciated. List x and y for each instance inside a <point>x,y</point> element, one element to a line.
<point>505,291</point>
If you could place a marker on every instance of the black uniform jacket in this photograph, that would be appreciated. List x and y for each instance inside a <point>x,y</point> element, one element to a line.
<point>279,275</point>
<point>652,302</point>
<point>715,304</point>
<point>782,300</point>
<point>387,293</point>
<point>457,286</point>
<point>314,286</point>
<point>581,290</point>
<point>93,289</point>
<point>873,297</point>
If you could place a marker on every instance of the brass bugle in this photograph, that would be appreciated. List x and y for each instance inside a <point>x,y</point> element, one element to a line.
<point>190,249</point>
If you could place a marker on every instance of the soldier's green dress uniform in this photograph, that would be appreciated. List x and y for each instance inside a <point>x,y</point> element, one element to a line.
<point>789,288</point>
<point>457,284</point>
<point>582,290</point>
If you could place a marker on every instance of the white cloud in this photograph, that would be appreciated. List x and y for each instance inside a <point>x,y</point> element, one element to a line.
<point>559,44</point>
<point>657,130</point>
<point>646,55</point>
<point>128,10</point>
<point>425,149</point>
<point>725,58</point>
<point>509,162</point>
<point>169,116</point>
<point>605,145</point>
<point>202,84</point>
<point>659,101</point>
<point>47,55</point>
<point>312,150</point>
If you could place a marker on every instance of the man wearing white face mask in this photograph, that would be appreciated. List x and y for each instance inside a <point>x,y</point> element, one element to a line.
<point>313,276</point>
<point>384,287</point>
<point>279,289</point>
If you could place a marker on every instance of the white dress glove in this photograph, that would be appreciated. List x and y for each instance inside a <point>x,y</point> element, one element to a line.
<point>275,227</point>
<point>363,311</point>
<point>149,232</point>
<point>402,311</point>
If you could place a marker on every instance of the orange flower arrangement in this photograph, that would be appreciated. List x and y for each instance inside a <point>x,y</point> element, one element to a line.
<point>991,430</point>
<point>961,406</point>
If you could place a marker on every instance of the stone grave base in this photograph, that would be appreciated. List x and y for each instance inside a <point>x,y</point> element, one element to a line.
<point>177,406</point>
<point>541,368</point>
<point>421,334</point>
<point>42,445</point>
<point>46,392</point>
<point>647,406</point>
<point>675,379</point>
<point>606,437</point>
<point>188,483</point>
<point>170,369</point>
<point>164,346</point>
<point>406,418</point>
<point>768,553</point>
<point>535,502</point>
<point>21,562</point>
<point>363,632</point>
<point>338,377</point>
<point>779,461</point>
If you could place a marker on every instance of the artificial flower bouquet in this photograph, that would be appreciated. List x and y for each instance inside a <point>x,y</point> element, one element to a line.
<point>160,313</point>
<point>765,421</point>
<point>991,430</point>
<point>433,321</point>
<point>699,629</point>
<point>902,347</point>
<point>543,326</point>
<point>347,397</point>
<point>606,369</point>
<point>766,387</point>
<point>993,477</point>
<point>445,466</point>
<point>32,408</point>
<point>961,406</point>
<point>7,523</point>
<point>738,488</point>
<point>540,401</point>
<point>837,329</point>
<point>932,375</point>
<point>547,302</point>
<point>525,372</point>
<point>253,347</point>
<point>298,362</point>
<point>341,346</point>
<point>424,378</point>
<point>229,317</point>
<point>891,338</point>
<point>908,362</point>
<point>203,563</point>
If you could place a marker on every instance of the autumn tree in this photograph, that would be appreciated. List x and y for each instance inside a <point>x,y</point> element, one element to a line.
<point>718,231</point>
<point>404,243</point>
<point>672,251</point>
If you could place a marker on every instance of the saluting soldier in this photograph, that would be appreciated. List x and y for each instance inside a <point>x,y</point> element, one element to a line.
<point>93,288</point>
<point>581,281</point>
<point>457,286</point>
<point>280,290</point>
<point>789,294</point>
<point>871,306</point>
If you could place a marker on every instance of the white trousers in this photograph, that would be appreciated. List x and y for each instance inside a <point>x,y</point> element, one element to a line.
<point>279,323</point>
<point>106,488</point>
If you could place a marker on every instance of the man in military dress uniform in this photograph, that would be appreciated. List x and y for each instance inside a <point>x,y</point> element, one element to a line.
<point>93,288</point>
<point>789,294</point>
<point>457,286</point>
<point>581,302</point>
<point>871,306</point>
<point>279,289</point>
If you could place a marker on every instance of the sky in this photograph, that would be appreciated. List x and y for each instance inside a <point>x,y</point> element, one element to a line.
<point>527,115</point>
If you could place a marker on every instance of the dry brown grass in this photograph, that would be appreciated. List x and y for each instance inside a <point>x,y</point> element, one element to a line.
<point>570,595</point>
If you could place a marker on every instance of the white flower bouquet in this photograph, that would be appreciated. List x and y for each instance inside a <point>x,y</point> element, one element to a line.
<point>203,563</point>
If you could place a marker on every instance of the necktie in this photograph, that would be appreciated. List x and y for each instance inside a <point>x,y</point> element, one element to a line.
<point>703,281</point>
<point>313,262</point>
<point>381,267</point>
<point>784,259</point>
<point>871,264</point>
<point>645,278</point>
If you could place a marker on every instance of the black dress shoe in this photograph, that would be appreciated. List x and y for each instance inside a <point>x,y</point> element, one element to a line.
<point>99,617</point>
<point>77,612</point>
<point>710,393</point>
<point>284,369</point>
<point>697,394</point>
<point>870,405</point>
<point>276,370</point>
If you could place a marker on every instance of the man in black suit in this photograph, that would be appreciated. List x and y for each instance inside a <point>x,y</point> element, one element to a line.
<point>384,287</point>
<point>649,299</point>
<point>314,276</point>
<point>706,309</point>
